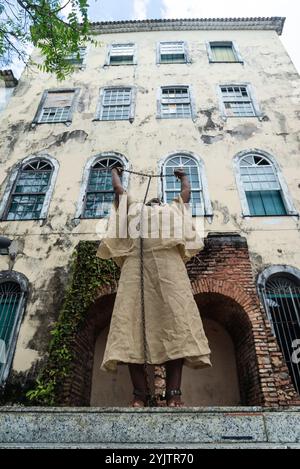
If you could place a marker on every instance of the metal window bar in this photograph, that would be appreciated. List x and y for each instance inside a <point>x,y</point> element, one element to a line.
<point>237,101</point>
<point>10,301</point>
<point>282,305</point>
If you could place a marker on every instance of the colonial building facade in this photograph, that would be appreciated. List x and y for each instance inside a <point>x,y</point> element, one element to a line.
<point>220,98</point>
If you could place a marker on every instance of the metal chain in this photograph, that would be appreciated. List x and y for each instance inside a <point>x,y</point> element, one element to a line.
<point>161,175</point>
<point>151,401</point>
<point>150,398</point>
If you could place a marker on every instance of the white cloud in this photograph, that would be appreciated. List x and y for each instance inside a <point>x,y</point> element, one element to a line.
<point>140,9</point>
<point>182,9</point>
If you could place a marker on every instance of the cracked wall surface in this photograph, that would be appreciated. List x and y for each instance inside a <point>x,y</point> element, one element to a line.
<point>42,251</point>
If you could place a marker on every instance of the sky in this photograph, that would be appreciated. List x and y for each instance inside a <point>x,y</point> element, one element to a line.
<point>116,10</point>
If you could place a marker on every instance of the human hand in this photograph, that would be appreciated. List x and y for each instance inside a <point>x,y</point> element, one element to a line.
<point>179,173</point>
<point>117,169</point>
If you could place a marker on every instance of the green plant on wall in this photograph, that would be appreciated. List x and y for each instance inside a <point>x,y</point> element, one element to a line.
<point>88,274</point>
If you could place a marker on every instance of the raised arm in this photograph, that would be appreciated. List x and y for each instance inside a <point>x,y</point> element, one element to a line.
<point>117,183</point>
<point>185,184</point>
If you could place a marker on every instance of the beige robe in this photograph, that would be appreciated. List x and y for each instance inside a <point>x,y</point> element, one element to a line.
<point>173,325</point>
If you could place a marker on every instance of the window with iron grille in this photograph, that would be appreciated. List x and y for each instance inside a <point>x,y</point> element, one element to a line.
<point>281,298</point>
<point>237,101</point>
<point>172,186</point>
<point>77,58</point>
<point>11,298</point>
<point>172,52</point>
<point>116,104</point>
<point>261,186</point>
<point>29,191</point>
<point>100,194</point>
<point>56,106</point>
<point>175,102</point>
<point>122,54</point>
<point>223,52</point>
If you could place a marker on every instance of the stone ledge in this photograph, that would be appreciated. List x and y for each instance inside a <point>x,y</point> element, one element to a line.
<point>186,427</point>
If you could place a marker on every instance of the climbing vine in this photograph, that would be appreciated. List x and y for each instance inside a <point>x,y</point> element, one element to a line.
<point>88,274</point>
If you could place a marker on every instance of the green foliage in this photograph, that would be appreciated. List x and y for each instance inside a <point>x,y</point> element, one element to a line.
<point>88,275</point>
<point>50,25</point>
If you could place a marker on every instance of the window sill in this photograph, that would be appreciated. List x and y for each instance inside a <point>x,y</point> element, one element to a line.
<point>68,122</point>
<point>226,62</point>
<point>168,118</point>
<point>272,216</point>
<point>130,120</point>
<point>119,65</point>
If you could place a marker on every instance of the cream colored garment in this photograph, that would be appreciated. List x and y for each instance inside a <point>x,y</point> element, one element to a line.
<point>173,325</point>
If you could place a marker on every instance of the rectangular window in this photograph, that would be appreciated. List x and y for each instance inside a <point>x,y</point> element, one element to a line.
<point>77,58</point>
<point>122,54</point>
<point>223,52</point>
<point>172,52</point>
<point>175,102</point>
<point>116,104</point>
<point>237,101</point>
<point>56,107</point>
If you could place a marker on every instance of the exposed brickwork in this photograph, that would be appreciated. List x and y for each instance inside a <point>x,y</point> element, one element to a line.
<point>222,271</point>
<point>224,288</point>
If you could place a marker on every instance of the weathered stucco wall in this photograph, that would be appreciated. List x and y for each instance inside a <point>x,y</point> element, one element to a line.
<point>43,252</point>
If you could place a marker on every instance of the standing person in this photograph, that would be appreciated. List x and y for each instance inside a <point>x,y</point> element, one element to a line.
<point>174,330</point>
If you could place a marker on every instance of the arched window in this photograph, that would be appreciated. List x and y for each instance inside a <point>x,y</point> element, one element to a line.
<point>12,301</point>
<point>262,188</point>
<point>99,191</point>
<point>280,293</point>
<point>199,202</point>
<point>30,190</point>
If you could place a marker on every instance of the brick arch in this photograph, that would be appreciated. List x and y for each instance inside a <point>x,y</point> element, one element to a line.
<point>77,387</point>
<point>229,289</point>
<point>226,304</point>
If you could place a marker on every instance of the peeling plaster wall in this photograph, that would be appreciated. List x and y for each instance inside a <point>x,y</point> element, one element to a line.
<point>43,252</point>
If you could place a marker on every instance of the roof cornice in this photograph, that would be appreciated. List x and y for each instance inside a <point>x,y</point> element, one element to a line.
<point>273,23</point>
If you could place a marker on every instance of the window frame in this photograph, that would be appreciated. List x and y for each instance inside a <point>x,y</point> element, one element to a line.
<point>257,111</point>
<point>82,65</point>
<point>68,121</point>
<point>269,273</point>
<point>232,44</point>
<point>207,206</point>
<point>86,177</point>
<point>6,199</point>
<point>286,198</point>
<point>159,114</point>
<point>109,51</point>
<point>187,59</point>
<point>22,281</point>
<point>99,110</point>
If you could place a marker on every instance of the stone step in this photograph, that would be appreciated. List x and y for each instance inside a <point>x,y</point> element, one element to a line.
<point>205,427</point>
